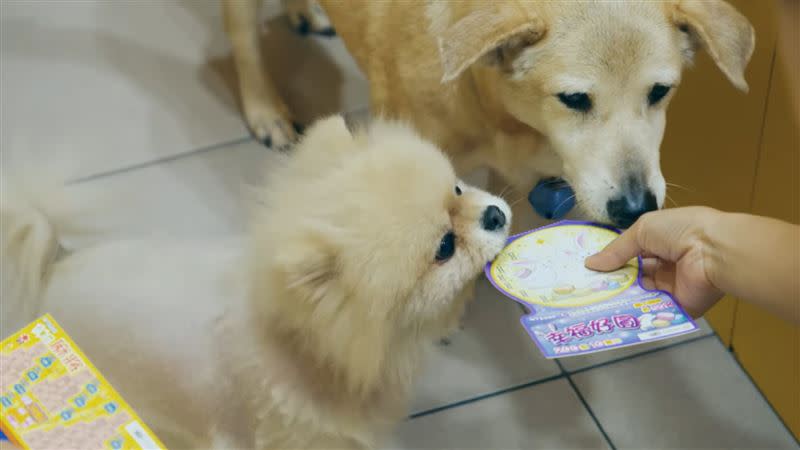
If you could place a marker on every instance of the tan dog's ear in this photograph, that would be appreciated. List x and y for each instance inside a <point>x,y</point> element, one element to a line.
<point>493,30</point>
<point>722,31</point>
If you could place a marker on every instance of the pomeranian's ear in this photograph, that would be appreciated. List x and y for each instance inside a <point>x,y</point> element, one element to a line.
<point>324,143</point>
<point>310,266</point>
<point>329,134</point>
<point>312,278</point>
<point>332,127</point>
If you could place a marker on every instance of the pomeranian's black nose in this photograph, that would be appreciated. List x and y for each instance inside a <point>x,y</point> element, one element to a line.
<point>493,219</point>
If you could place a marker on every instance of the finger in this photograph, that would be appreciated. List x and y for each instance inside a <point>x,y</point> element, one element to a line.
<point>617,253</point>
<point>650,266</point>
<point>648,283</point>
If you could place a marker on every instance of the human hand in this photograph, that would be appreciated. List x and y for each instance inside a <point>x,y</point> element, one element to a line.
<point>674,247</point>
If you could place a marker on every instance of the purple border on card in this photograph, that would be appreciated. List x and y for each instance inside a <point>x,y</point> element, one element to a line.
<point>531,311</point>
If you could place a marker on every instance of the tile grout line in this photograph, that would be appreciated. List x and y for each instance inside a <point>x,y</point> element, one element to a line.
<point>732,355</point>
<point>164,159</point>
<point>185,154</point>
<point>586,406</point>
<point>477,398</point>
<point>564,374</point>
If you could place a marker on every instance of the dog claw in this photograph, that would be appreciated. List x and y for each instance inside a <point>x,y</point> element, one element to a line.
<point>326,32</point>
<point>303,26</point>
<point>277,134</point>
<point>267,141</point>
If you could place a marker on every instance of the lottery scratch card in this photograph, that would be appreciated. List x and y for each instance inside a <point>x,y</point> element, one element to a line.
<point>52,397</point>
<point>573,310</point>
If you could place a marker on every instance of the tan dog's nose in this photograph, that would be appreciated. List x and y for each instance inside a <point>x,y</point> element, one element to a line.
<point>636,200</point>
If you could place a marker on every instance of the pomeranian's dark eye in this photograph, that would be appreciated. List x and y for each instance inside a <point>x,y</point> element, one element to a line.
<point>658,92</point>
<point>579,101</point>
<point>447,247</point>
<point>458,190</point>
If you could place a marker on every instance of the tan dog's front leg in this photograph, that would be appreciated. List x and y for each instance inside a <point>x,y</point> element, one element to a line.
<point>266,114</point>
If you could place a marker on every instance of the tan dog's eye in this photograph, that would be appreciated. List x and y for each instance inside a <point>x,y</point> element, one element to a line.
<point>579,101</point>
<point>447,247</point>
<point>658,92</point>
<point>458,190</point>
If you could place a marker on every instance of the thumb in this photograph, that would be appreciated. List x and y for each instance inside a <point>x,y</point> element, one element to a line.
<point>616,254</point>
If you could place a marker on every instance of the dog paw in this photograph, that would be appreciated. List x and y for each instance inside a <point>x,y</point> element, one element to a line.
<point>278,135</point>
<point>445,341</point>
<point>308,17</point>
<point>273,131</point>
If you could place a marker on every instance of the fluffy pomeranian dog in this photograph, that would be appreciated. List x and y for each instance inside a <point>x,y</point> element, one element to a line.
<point>307,332</point>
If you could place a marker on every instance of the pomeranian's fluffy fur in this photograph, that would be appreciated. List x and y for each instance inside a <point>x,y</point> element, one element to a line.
<point>307,332</point>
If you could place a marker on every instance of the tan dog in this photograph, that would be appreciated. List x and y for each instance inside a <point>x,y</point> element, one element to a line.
<point>307,333</point>
<point>531,89</point>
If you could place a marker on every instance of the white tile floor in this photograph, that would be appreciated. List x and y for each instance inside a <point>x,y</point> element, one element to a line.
<point>139,96</point>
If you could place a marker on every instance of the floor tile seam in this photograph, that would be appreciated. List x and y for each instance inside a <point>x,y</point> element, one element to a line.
<point>160,160</point>
<point>477,398</point>
<point>564,373</point>
<point>586,406</point>
<point>181,155</point>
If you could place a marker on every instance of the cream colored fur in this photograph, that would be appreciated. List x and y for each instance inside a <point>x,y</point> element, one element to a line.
<point>307,332</point>
<point>481,78</point>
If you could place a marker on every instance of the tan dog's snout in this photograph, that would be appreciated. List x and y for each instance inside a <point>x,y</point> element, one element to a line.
<point>618,194</point>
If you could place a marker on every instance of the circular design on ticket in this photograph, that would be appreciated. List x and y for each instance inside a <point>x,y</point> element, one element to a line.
<point>546,267</point>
